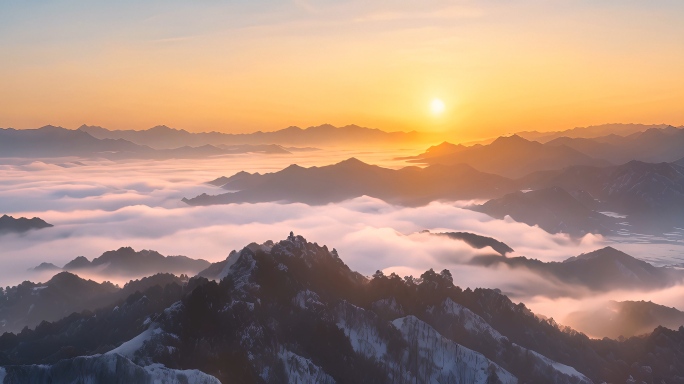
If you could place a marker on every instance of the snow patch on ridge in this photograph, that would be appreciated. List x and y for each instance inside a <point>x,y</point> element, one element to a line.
<point>230,261</point>
<point>357,325</point>
<point>130,347</point>
<point>307,299</point>
<point>160,374</point>
<point>562,368</point>
<point>472,322</point>
<point>303,370</point>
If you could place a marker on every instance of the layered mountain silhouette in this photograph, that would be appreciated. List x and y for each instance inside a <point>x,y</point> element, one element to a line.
<point>126,262</point>
<point>626,319</point>
<point>640,196</point>
<point>21,224</point>
<point>635,188</point>
<point>602,131</point>
<point>163,137</point>
<point>552,209</point>
<point>294,312</point>
<point>28,304</point>
<point>576,200</point>
<point>526,152</point>
<point>51,141</point>
<point>353,178</point>
<point>601,270</point>
<point>653,145</point>
<point>511,156</point>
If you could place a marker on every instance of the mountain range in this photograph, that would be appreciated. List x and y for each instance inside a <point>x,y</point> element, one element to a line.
<point>163,137</point>
<point>511,156</point>
<point>635,196</point>
<point>640,190</point>
<point>126,262</point>
<point>553,209</point>
<point>574,200</point>
<point>602,270</point>
<point>29,304</point>
<point>292,311</point>
<point>595,131</point>
<point>353,178</point>
<point>21,224</point>
<point>653,145</point>
<point>51,141</point>
<point>521,154</point>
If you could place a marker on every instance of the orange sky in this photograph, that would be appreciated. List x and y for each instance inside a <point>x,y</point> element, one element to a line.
<point>499,66</point>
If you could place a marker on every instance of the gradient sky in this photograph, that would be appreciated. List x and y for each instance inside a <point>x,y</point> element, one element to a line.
<point>239,66</point>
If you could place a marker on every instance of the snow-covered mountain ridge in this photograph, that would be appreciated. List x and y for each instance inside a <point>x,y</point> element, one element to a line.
<point>292,311</point>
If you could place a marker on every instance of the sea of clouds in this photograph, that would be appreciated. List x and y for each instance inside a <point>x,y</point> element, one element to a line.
<point>96,206</point>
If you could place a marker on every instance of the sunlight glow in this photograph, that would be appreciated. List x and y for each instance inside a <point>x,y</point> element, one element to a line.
<point>437,106</point>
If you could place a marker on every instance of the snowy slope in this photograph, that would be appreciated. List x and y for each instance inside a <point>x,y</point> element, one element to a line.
<point>303,370</point>
<point>111,368</point>
<point>475,324</point>
<point>440,360</point>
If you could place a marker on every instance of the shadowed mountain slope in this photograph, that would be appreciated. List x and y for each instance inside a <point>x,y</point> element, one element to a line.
<point>552,209</point>
<point>635,188</point>
<point>28,304</point>
<point>636,196</point>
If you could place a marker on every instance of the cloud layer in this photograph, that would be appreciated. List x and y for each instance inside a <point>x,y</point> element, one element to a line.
<point>101,206</point>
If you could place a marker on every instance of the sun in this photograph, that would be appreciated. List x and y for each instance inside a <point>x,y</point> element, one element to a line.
<point>437,106</point>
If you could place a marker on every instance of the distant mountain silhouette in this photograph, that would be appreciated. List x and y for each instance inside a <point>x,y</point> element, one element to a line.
<point>643,191</point>
<point>443,149</point>
<point>127,262</point>
<point>511,156</point>
<point>552,209</point>
<point>625,319</point>
<point>22,224</point>
<point>46,267</point>
<point>162,137</point>
<point>51,141</point>
<point>353,178</point>
<point>652,145</point>
<point>601,270</point>
<point>636,196</point>
<point>477,241</point>
<point>595,131</point>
